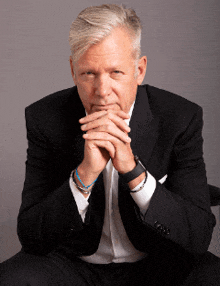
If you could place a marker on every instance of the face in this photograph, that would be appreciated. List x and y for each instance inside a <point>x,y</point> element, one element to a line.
<point>105,75</point>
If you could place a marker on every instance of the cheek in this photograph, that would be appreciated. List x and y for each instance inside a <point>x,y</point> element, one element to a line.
<point>84,90</point>
<point>128,94</point>
<point>83,94</point>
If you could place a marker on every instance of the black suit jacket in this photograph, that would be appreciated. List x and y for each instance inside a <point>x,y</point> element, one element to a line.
<point>166,135</point>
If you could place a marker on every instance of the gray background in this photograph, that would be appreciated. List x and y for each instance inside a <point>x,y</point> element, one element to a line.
<point>180,38</point>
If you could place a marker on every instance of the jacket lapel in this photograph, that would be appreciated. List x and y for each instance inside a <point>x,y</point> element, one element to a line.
<point>144,127</point>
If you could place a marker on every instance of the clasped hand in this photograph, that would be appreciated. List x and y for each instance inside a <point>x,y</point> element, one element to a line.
<point>107,137</point>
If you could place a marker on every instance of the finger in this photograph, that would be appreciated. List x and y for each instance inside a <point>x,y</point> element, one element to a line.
<point>102,134</point>
<point>107,119</point>
<point>107,137</point>
<point>120,113</point>
<point>112,130</point>
<point>102,113</point>
<point>92,116</point>
<point>107,145</point>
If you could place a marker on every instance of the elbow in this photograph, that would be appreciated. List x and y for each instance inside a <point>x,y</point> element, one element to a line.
<point>200,241</point>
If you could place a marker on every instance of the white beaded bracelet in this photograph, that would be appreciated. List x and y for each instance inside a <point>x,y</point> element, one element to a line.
<point>141,187</point>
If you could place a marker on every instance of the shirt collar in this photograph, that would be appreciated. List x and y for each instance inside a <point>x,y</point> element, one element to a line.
<point>130,113</point>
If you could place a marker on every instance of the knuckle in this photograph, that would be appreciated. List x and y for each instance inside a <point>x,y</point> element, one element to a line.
<point>105,135</point>
<point>110,114</point>
<point>109,144</point>
<point>108,127</point>
<point>106,144</point>
<point>106,121</point>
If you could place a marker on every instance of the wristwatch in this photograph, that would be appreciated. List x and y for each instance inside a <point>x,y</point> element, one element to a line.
<point>133,174</point>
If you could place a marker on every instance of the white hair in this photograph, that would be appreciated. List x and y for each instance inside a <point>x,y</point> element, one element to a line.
<point>95,23</point>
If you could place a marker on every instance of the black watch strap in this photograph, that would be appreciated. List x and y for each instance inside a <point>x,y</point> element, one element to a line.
<point>133,174</point>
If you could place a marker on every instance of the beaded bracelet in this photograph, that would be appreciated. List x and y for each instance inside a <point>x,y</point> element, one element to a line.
<point>142,186</point>
<point>82,182</point>
<point>83,189</point>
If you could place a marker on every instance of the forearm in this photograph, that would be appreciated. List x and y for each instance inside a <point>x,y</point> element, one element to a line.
<point>179,220</point>
<point>44,225</point>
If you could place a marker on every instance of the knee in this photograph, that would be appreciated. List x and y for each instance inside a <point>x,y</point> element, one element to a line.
<point>20,271</point>
<point>22,276</point>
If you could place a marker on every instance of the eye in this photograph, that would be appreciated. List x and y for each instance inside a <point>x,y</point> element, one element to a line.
<point>88,73</point>
<point>116,74</point>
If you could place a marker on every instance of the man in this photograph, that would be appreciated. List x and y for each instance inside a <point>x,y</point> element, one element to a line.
<point>93,213</point>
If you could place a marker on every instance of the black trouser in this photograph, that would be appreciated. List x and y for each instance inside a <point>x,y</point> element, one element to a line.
<point>53,270</point>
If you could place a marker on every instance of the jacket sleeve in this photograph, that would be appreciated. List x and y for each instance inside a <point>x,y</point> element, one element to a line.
<point>48,211</point>
<point>179,214</point>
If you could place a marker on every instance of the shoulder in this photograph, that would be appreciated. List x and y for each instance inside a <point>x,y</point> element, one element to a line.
<point>162,101</point>
<point>175,113</point>
<point>51,103</point>
<point>172,108</point>
<point>55,115</point>
<point>56,107</point>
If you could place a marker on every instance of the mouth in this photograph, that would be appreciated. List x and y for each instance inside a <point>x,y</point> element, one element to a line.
<point>105,107</point>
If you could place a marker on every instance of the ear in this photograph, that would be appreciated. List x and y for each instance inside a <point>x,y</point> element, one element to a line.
<point>72,69</point>
<point>142,67</point>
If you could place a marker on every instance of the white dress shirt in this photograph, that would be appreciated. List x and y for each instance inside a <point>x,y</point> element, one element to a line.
<point>115,245</point>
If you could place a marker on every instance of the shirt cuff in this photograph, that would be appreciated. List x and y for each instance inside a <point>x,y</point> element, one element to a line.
<point>81,201</point>
<point>143,197</point>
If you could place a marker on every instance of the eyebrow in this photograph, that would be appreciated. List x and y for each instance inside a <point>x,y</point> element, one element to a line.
<point>89,69</point>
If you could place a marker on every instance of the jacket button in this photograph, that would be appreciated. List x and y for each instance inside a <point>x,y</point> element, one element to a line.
<point>167,231</point>
<point>164,230</point>
<point>157,225</point>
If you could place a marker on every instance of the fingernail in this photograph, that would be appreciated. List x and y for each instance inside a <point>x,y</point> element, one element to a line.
<point>81,119</point>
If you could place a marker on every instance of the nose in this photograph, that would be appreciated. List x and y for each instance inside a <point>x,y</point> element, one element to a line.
<point>102,86</point>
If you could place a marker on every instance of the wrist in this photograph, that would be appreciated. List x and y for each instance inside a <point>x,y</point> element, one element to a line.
<point>86,174</point>
<point>134,183</point>
<point>128,167</point>
<point>135,172</point>
<point>85,190</point>
<point>77,183</point>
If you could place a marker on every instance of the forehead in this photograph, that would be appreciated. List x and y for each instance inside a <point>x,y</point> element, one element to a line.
<point>112,50</point>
